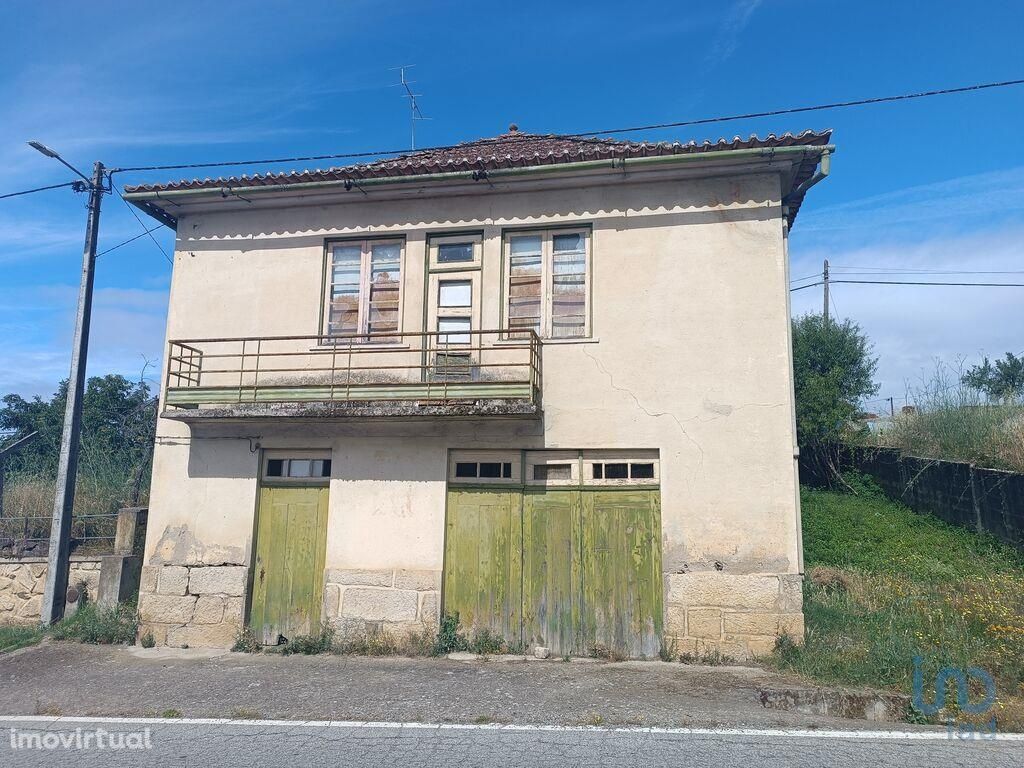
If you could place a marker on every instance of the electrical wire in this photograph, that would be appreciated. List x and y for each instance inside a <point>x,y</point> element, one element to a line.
<point>146,231</point>
<point>910,282</point>
<point>40,189</point>
<point>583,135</point>
<point>130,240</point>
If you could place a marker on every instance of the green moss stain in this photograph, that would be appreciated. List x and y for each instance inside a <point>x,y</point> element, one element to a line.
<point>567,569</point>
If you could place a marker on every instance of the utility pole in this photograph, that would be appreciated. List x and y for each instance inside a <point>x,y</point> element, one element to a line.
<point>892,408</point>
<point>824,274</point>
<point>67,468</point>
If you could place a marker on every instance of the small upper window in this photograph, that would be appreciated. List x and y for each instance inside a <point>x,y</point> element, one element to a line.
<point>453,253</point>
<point>623,470</point>
<point>298,468</point>
<point>488,470</point>
<point>552,472</point>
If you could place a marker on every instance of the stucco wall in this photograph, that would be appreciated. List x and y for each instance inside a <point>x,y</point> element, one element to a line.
<point>689,355</point>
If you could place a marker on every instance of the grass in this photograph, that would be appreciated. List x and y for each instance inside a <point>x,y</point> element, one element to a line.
<point>885,585</point>
<point>14,637</point>
<point>90,624</point>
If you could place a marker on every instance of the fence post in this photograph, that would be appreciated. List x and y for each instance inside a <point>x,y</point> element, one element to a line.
<point>975,502</point>
<point>120,572</point>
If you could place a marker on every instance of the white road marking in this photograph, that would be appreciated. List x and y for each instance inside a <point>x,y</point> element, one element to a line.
<point>797,733</point>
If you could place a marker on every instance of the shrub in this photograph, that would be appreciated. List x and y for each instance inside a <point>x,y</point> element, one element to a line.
<point>449,639</point>
<point>309,645</point>
<point>100,626</point>
<point>246,642</point>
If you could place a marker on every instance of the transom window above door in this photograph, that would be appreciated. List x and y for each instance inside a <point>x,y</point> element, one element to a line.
<point>364,288</point>
<point>547,275</point>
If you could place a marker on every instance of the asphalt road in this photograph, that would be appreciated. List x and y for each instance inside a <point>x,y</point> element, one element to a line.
<point>261,744</point>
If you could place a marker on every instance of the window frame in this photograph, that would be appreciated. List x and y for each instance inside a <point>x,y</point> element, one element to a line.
<point>310,455</point>
<point>547,235</point>
<point>485,457</point>
<point>433,247</point>
<point>629,458</point>
<point>546,458</point>
<point>362,335</point>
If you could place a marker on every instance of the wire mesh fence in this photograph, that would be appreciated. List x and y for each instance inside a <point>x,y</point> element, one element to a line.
<point>29,535</point>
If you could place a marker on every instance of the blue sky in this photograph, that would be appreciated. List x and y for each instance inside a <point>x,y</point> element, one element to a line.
<point>930,184</point>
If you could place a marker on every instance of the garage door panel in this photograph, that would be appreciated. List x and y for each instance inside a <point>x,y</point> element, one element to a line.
<point>552,573</point>
<point>622,595</point>
<point>483,561</point>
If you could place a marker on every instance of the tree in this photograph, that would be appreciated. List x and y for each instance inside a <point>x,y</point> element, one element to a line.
<point>1003,381</point>
<point>118,425</point>
<point>833,372</point>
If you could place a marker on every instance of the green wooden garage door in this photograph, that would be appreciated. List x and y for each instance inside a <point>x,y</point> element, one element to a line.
<point>567,569</point>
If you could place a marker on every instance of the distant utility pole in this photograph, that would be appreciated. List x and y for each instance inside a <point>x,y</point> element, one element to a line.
<point>892,408</point>
<point>67,466</point>
<point>824,274</point>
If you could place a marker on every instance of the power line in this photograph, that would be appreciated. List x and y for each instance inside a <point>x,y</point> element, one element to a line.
<point>912,282</point>
<point>130,240</point>
<point>589,134</point>
<point>40,189</point>
<point>142,224</point>
<point>911,271</point>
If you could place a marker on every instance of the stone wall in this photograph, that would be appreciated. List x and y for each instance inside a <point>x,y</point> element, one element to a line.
<point>22,582</point>
<point>193,606</point>
<point>738,615</point>
<point>398,601</point>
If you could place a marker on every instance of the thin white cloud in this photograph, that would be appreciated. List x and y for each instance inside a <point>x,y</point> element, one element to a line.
<point>727,40</point>
<point>913,326</point>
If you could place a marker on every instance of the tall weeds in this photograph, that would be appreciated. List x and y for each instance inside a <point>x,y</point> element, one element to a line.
<point>952,421</point>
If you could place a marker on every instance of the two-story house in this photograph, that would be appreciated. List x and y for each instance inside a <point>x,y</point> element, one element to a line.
<point>543,382</point>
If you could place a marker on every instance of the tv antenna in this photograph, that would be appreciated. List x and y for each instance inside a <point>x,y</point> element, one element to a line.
<point>414,108</point>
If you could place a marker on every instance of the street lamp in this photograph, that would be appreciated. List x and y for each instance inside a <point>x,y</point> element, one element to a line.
<point>67,466</point>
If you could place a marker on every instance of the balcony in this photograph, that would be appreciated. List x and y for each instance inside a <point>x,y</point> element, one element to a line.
<point>464,374</point>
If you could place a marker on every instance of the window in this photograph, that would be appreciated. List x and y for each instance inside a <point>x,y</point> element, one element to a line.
<point>364,281</point>
<point>297,469</point>
<point>452,253</point>
<point>454,311</point>
<point>548,291</point>
<point>552,472</point>
<point>635,468</point>
<point>461,251</point>
<point>468,470</point>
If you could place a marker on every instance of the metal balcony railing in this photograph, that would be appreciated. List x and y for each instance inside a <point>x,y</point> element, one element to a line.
<point>418,368</point>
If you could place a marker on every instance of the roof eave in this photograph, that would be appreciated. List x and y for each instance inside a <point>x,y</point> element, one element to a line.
<point>150,201</point>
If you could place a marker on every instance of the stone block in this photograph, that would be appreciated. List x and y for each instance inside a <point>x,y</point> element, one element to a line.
<point>203,636</point>
<point>760,646</point>
<point>430,608</point>
<point>159,632</point>
<point>720,590</point>
<point>675,620</point>
<point>422,581</point>
<point>792,624</point>
<point>150,576</point>
<point>218,580</point>
<point>31,608</point>
<point>40,586</point>
<point>167,609</point>
<point>8,602</point>
<point>24,580</point>
<point>791,593</point>
<point>234,609</point>
<point>172,580</point>
<point>38,570</point>
<point>209,610</point>
<point>374,604</point>
<point>360,577</point>
<point>332,601</point>
<point>751,623</point>
<point>704,623</point>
